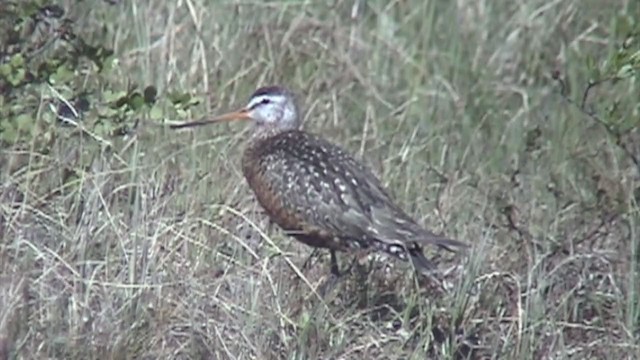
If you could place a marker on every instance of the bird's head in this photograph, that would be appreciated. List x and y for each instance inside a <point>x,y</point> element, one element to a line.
<point>272,107</point>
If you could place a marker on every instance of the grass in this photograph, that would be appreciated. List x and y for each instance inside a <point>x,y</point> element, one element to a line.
<point>155,248</point>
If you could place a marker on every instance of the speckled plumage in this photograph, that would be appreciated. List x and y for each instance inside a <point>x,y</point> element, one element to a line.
<point>318,193</point>
<point>322,196</point>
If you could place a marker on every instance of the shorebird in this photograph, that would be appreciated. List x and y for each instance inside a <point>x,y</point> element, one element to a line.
<point>317,192</point>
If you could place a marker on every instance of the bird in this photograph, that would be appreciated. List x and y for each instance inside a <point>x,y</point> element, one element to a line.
<point>317,192</point>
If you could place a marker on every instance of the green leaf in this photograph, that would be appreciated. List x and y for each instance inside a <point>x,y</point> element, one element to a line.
<point>107,112</point>
<point>113,96</point>
<point>592,67</point>
<point>182,113</point>
<point>108,63</point>
<point>136,101</point>
<point>178,98</point>
<point>195,100</point>
<point>24,121</point>
<point>156,113</point>
<point>62,75</point>
<point>9,133</point>
<point>17,60</point>
<point>18,77</point>
<point>635,58</point>
<point>626,71</point>
<point>5,70</point>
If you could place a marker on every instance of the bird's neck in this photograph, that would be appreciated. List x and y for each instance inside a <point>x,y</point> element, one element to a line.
<point>262,132</point>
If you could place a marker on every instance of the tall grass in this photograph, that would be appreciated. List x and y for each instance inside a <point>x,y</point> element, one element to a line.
<point>156,248</point>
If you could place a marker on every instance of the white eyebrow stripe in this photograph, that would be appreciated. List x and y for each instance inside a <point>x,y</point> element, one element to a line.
<point>255,101</point>
<point>258,99</point>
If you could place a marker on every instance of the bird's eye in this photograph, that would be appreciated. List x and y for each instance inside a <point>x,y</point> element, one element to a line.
<point>265,101</point>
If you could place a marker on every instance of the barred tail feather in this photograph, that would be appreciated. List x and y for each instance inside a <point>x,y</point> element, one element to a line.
<point>449,244</point>
<point>421,263</point>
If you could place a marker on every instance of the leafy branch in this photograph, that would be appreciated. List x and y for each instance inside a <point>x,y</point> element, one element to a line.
<point>624,65</point>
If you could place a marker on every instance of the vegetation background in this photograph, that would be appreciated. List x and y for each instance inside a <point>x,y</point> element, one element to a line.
<point>511,125</point>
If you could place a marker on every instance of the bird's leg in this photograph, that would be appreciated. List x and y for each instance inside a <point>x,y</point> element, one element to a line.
<point>335,271</point>
<point>335,277</point>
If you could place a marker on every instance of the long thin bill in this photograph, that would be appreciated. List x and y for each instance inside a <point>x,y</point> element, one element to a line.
<point>232,116</point>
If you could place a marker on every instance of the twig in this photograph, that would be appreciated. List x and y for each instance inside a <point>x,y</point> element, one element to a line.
<point>592,114</point>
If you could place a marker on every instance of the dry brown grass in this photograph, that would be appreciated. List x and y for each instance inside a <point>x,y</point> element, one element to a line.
<point>157,249</point>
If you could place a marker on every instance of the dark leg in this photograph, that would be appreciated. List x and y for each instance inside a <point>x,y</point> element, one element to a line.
<point>359,255</point>
<point>333,280</point>
<point>338,276</point>
<point>335,271</point>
